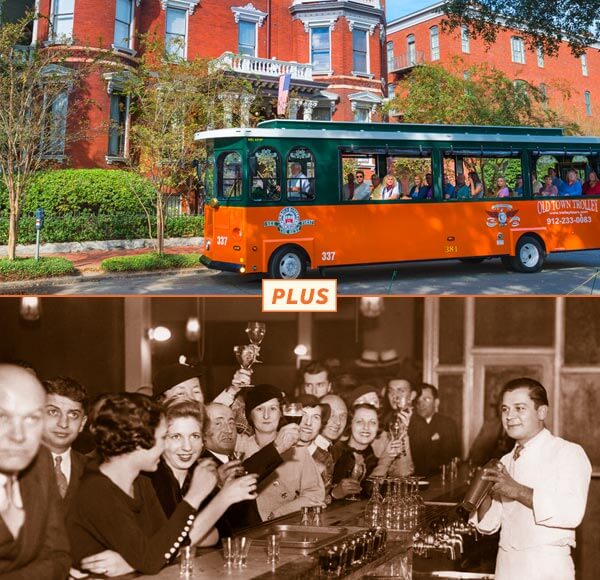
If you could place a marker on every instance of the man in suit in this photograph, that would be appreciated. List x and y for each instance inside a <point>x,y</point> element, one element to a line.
<point>33,539</point>
<point>220,436</point>
<point>66,414</point>
<point>433,437</point>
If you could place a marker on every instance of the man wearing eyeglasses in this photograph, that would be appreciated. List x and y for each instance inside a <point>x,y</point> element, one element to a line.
<point>362,190</point>
<point>33,539</point>
<point>316,380</point>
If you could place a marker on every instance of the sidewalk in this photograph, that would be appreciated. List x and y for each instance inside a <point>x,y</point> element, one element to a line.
<point>89,261</point>
<point>87,256</point>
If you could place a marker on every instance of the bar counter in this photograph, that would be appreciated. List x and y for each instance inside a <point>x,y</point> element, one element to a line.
<point>296,564</point>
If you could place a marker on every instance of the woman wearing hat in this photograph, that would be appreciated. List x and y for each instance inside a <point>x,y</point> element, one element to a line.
<point>364,428</point>
<point>296,482</point>
<point>115,522</point>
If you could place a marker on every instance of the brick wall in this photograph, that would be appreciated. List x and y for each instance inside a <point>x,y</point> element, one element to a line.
<point>212,30</point>
<point>560,73</point>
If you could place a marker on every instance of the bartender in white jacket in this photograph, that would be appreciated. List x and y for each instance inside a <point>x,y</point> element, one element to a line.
<point>539,494</point>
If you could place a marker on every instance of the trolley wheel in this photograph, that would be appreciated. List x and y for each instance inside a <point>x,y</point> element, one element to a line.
<point>529,256</point>
<point>287,263</point>
<point>471,260</point>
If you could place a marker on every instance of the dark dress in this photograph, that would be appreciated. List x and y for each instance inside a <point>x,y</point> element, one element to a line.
<point>103,517</point>
<point>343,456</point>
<point>41,549</point>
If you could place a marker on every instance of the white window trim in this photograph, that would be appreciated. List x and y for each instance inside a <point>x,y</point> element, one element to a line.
<point>513,41</point>
<point>51,33</point>
<point>128,49</point>
<point>189,5</point>
<point>171,4</point>
<point>587,101</point>
<point>238,20</point>
<point>308,26</point>
<point>249,13</point>
<point>540,57</point>
<point>115,84</point>
<point>431,36</point>
<point>465,40</point>
<point>584,65</point>
<point>367,73</point>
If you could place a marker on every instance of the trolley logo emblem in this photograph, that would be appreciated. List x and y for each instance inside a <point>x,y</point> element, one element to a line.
<point>503,214</point>
<point>289,222</point>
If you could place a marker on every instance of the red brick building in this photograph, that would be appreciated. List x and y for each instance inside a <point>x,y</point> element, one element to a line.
<point>569,83</point>
<point>333,49</point>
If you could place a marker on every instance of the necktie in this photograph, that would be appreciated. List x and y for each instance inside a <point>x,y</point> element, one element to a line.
<point>13,515</point>
<point>61,479</point>
<point>517,451</point>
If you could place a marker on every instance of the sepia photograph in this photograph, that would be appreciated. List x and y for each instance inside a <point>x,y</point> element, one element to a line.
<point>304,436</point>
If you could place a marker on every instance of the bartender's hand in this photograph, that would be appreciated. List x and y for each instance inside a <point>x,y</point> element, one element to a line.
<point>505,486</point>
<point>287,437</point>
<point>345,487</point>
<point>203,482</point>
<point>107,563</point>
<point>228,471</point>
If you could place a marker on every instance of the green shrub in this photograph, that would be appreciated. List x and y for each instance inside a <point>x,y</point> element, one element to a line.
<point>29,268</point>
<point>91,227</point>
<point>64,191</point>
<point>150,261</point>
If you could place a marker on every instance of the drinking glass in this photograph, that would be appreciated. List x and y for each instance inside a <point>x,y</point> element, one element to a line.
<point>293,412</point>
<point>242,545</point>
<point>256,332</point>
<point>358,473</point>
<point>273,549</point>
<point>229,552</point>
<point>186,562</point>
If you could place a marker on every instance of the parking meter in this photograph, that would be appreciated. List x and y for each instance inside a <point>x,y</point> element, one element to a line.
<point>39,224</point>
<point>39,218</point>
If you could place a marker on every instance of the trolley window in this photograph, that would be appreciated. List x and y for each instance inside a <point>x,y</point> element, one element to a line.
<point>300,175</point>
<point>265,175</point>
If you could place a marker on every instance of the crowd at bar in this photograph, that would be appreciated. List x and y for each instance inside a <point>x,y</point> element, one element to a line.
<point>122,483</point>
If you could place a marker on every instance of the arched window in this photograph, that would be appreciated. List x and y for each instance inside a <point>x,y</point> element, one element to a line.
<point>300,175</point>
<point>265,175</point>
<point>434,42</point>
<point>229,175</point>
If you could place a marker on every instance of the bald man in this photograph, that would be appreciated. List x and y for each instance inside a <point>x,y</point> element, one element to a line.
<point>220,436</point>
<point>33,539</point>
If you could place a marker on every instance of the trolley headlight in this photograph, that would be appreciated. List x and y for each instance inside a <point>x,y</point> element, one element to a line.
<point>213,202</point>
<point>207,245</point>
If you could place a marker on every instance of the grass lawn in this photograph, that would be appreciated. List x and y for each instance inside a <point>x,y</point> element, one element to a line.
<point>29,268</point>
<point>152,261</point>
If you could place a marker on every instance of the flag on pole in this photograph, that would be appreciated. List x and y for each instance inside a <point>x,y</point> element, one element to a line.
<point>284,91</point>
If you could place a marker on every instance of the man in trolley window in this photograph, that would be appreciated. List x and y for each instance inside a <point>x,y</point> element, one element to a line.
<point>298,183</point>
<point>539,494</point>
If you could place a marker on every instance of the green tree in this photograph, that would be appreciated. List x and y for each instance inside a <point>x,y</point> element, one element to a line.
<point>41,96</point>
<point>480,96</point>
<point>171,99</point>
<point>545,23</point>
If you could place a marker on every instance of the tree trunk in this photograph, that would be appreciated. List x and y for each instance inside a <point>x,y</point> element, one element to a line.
<point>13,224</point>
<point>160,228</point>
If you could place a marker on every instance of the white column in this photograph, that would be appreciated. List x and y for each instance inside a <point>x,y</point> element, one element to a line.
<point>138,358</point>
<point>293,108</point>
<point>245,104</point>
<point>227,99</point>
<point>308,110</point>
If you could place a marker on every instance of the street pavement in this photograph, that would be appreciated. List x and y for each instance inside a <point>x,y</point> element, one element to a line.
<point>573,273</point>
